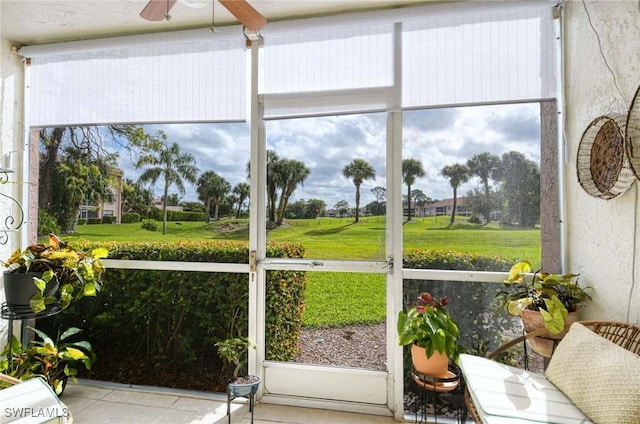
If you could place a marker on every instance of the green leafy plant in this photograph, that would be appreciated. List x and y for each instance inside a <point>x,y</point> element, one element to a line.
<point>553,295</point>
<point>231,350</point>
<point>429,325</point>
<point>78,272</point>
<point>149,225</point>
<point>53,361</point>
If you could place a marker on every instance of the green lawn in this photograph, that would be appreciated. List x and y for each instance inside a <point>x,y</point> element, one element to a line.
<point>342,298</point>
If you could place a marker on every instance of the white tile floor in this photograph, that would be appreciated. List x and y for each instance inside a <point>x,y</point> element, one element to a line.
<point>103,403</point>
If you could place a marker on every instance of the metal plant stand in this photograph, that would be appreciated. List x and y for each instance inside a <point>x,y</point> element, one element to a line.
<point>247,391</point>
<point>24,314</point>
<point>432,389</point>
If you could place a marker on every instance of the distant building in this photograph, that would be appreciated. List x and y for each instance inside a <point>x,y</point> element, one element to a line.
<point>103,209</point>
<point>445,207</point>
<point>157,203</point>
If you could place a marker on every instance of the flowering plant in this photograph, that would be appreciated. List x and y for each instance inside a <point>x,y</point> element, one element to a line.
<point>429,325</point>
<point>79,273</point>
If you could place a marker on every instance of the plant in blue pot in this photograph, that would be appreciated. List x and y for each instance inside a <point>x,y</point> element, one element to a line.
<point>232,350</point>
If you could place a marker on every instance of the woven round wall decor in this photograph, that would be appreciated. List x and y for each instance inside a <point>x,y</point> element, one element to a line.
<point>603,168</point>
<point>632,139</point>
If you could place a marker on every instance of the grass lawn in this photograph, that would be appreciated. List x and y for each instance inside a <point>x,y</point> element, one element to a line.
<point>335,299</point>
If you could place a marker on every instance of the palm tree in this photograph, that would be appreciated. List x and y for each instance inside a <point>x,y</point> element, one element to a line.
<point>136,198</point>
<point>359,170</point>
<point>170,164</point>
<point>457,174</point>
<point>411,169</point>
<point>241,190</point>
<point>290,174</point>
<point>273,178</point>
<point>485,166</point>
<point>212,188</point>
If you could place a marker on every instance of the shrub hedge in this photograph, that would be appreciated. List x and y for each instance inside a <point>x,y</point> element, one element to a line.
<point>173,318</point>
<point>156,213</point>
<point>149,225</point>
<point>130,217</point>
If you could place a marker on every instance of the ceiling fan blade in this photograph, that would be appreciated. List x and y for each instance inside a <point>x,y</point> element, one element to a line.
<point>156,10</point>
<point>245,13</point>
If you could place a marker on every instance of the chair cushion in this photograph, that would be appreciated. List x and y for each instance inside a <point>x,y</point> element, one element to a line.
<point>508,395</point>
<point>600,377</point>
<point>31,402</point>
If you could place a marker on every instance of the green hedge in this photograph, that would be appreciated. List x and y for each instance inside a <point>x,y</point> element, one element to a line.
<point>156,213</point>
<point>130,217</point>
<point>175,317</point>
<point>108,219</point>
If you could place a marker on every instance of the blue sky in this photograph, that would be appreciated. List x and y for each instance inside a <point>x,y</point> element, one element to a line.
<point>437,137</point>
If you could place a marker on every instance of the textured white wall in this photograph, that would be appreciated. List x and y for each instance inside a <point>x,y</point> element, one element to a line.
<point>10,141</point>
<point>602,74</point>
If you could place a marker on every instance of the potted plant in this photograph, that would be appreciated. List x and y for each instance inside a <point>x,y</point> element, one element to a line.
<point>543,299</point>
<point>40,274</point>
<point>53,361</point>
<point>432,333</point>
<point>231,350</point>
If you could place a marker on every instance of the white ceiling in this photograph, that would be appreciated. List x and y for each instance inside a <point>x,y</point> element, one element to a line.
<point>27,22</point>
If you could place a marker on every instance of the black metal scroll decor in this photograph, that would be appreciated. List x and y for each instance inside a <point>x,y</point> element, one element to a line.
<point>11,223</point>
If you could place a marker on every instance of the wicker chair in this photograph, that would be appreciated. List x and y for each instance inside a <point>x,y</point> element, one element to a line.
<point>12,381</point>
<point>623,334</point>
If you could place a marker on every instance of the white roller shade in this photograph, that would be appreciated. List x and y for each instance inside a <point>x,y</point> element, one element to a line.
<point>451,53</point>
<point>188,77</point>
<point>479,55</point>
<point>341,70</point>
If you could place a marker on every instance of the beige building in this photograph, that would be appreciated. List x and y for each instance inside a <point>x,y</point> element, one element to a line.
<point>106,209</point>
<point>445,207</point>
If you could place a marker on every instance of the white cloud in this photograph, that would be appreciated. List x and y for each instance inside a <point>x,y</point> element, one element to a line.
<point>437,137</point>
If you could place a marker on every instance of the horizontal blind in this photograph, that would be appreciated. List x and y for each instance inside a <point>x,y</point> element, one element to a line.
<point>479,55</point>
<point>198,79</point>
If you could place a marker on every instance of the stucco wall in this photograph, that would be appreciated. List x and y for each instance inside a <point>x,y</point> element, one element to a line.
<point>10,143</point>
<point>602,74</point>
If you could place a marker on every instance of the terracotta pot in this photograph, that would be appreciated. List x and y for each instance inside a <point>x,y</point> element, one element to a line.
<point>436,365</point>
<point>545,344</point>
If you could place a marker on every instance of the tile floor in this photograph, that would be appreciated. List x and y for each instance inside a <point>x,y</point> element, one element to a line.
<point>104,403</point>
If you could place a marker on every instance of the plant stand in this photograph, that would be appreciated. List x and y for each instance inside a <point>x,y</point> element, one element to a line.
<point>431,390</point>
<point>247,391</point>
<point>25,314</point>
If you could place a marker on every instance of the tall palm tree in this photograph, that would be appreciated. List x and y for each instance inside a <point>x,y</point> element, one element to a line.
<point>241,190</point>
<point>172,166</point>
<point>411,169</point>
<point>359,170</point>
<point>485,166</point>
<point>291,173</point>
<point>212,188</point>
<point>457,174</point>
<point>273,178</point>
